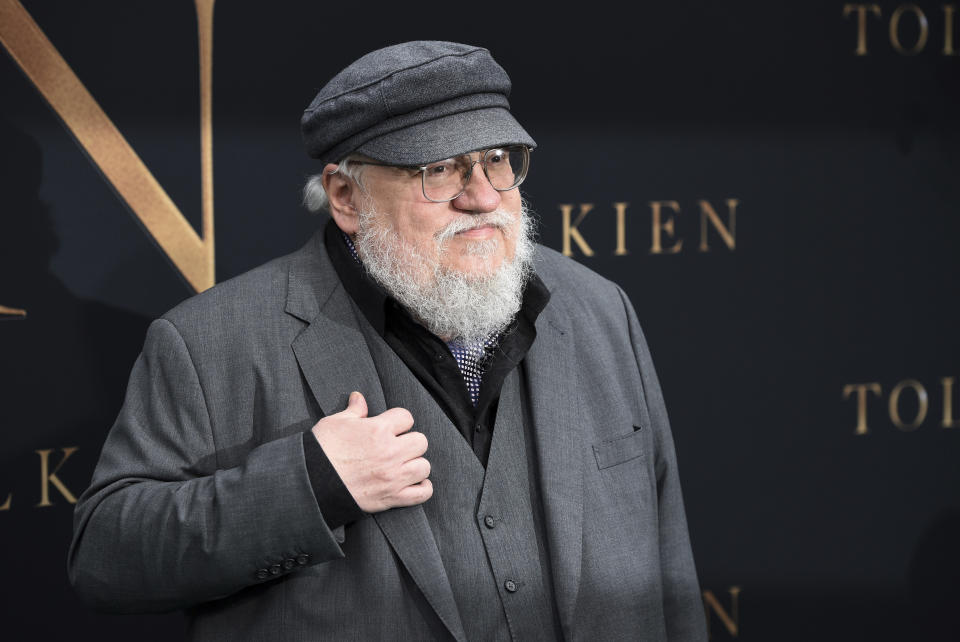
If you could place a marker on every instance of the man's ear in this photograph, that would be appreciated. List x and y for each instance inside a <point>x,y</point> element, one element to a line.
<point>343,194</point>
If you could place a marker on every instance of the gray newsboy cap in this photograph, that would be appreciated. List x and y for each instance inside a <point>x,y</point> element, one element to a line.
<point>413,103</point>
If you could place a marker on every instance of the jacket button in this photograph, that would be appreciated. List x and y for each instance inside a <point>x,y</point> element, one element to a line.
<point>275,569</point>
<point>489,521</point>
<point>302,559</point>
<point>510,585</point>
<point>288,564</point>
<point>262,574</point>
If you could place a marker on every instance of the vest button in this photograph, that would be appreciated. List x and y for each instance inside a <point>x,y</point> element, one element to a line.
<point>510,585</point>
<point>489,521</point>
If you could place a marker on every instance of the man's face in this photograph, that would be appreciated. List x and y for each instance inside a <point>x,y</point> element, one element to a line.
<point>472,235</point>
<point>458,267</point>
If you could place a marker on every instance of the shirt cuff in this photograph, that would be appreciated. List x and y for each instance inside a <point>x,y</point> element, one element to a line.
<point>336,503</point>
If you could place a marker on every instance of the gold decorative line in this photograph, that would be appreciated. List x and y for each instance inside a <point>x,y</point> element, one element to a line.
<point>205,40</point>
<point>12,312</point>
<point>109,150</point>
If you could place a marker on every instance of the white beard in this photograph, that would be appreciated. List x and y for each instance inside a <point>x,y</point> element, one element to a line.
<point>452,305</point>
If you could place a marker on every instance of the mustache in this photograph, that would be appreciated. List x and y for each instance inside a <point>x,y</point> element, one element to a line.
<point>498,218</point>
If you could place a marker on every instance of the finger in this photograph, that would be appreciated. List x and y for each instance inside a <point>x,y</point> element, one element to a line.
<point>398,420</point>
<point>411,445</point>
<point>414,471</point>
<point>414,494</point>
<point>356,405</point>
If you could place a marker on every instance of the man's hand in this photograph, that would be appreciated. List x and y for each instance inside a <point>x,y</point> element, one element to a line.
<point>379,461</point>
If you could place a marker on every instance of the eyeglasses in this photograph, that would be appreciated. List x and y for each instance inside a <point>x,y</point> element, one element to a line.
<point>443,181</point>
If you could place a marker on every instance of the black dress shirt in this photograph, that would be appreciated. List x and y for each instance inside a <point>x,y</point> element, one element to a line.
<point>431,361</point>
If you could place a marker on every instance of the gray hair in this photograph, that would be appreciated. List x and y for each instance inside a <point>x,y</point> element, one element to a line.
<point>315,197</point>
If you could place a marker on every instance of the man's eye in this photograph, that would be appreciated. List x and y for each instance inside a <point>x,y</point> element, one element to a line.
<point>496,157</point>
<point>438,170</point>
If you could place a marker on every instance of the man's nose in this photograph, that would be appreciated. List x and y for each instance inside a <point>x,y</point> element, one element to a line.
<point>479,196</point>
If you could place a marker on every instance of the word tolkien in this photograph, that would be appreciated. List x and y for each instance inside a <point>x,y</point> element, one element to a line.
<point>862,11</point>
<point>48,478</point>
<point>730,619</point>
<point>664,234</point>
<point>862,392</point>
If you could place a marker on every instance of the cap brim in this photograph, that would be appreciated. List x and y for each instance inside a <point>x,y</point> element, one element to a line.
<point>448,136</point>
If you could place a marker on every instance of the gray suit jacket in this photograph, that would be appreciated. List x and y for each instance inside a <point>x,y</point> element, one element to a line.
<point>201,498</point>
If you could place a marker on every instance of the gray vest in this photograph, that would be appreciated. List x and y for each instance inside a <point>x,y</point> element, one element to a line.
<point>482,520</point>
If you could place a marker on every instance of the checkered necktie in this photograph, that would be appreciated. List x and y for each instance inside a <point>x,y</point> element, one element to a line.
<point>470,358</point>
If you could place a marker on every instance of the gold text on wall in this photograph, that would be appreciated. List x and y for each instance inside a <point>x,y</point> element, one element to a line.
<point>907,404</point>
<point>729,617</point>
<point>191,254</point>
<point>904,19</point>
<point>715,229</point>
<point>11,313</point>
<point>49,478</point>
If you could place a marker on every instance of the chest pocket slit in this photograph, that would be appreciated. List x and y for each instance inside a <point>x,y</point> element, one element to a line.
<point>619,450</point>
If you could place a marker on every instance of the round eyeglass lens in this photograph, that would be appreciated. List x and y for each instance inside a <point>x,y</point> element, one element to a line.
<point>443,180</point>
<point>505,168</point>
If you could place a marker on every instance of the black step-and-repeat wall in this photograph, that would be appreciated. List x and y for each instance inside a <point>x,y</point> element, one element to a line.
<point>776,186</point>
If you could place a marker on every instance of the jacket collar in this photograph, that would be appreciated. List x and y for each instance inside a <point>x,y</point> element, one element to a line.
<point>311,280</point>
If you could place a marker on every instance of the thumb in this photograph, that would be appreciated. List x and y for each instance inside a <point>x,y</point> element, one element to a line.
<point>356,405</point>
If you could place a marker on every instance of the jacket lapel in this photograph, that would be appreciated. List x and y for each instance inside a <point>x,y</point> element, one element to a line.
<point>410,535</point>
<point>335,361</point>
<point>331,350</point>
<point>333,355</point>
<point>556,409</point>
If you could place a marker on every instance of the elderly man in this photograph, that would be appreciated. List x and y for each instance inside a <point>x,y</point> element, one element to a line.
<point>419,426</point>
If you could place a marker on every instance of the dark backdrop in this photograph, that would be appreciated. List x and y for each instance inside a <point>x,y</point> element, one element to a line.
<point>808,349</point>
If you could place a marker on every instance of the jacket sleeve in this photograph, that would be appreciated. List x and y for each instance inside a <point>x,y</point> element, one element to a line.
<point>161,526</point>
<point>682,603</point>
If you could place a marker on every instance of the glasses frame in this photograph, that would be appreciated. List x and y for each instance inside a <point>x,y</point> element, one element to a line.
<point>422,169</point>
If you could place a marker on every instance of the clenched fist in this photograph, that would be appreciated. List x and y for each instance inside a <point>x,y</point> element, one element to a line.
<point>380,462</point>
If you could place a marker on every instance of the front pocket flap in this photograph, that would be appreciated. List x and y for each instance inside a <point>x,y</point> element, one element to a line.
<point>616,451</point>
